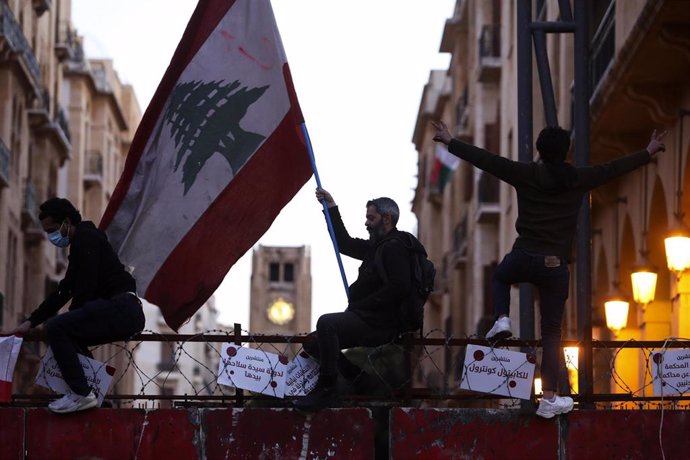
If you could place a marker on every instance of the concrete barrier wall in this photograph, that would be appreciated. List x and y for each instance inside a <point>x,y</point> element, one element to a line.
<point>489,434</point>
<point>254,433</point>
<point>186,434</point>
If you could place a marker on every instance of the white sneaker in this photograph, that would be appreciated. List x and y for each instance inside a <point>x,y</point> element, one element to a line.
<point>73,402</point>
<point>500,330</point>
<point>560,405</point>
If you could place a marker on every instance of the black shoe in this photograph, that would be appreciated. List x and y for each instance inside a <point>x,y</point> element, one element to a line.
<point>319,398</point>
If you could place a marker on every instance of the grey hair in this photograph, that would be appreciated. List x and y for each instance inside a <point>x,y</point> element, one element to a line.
<point>385,205</point>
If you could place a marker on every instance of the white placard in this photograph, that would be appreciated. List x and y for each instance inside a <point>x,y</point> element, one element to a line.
<point>302,375</point>
<point>98,375</point>
<point>670,372</point>
<point>498,371</point>
<point>253,370</point>
<point>9,352</point>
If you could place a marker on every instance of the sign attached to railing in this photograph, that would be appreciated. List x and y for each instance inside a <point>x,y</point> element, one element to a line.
<point>670,372</point>
<point>9,351</point>
<point>253,370</point>
<point>498,371</point>
<point>99,375</point>
<point>302,375</point>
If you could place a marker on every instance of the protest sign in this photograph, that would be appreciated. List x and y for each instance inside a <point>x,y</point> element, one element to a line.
<point>498,371</point>
<point>99,375</point>
<point>253,370</point>
<point>9,351</point>
<point>670,372</point>
<point>302,375</point>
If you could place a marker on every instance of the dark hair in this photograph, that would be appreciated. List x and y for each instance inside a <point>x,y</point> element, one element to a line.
<point>385,205</point>
<point>553,144</point>
<point>59,209</point>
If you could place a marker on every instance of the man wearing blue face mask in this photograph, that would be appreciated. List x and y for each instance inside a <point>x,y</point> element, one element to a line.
<point>104,305</point>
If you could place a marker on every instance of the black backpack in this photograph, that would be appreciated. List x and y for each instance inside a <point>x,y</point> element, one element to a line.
<point>423,275</point>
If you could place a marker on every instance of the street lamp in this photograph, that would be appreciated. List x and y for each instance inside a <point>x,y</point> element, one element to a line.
<point>644,277</point>
<point>644,284</point>
<point>616,314</point>
<point>616,306</point>
<point>678,251</point>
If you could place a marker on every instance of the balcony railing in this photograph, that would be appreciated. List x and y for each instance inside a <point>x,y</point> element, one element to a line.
<point>93,168</point>
<point>12,33</point>
<point>4,165</point>
<point>63,123</point>
<point>30,206</point>
<point>490,53</point>
<point>462,115</point>
<point>488,189</point>
<point>603,46</point>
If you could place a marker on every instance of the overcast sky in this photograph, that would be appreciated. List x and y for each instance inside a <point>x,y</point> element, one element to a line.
<point>359,68</point>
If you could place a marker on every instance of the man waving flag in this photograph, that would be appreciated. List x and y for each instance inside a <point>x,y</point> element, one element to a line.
<point>217,155</point>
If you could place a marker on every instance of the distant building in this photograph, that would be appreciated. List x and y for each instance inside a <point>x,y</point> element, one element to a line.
<point>177,368</point>
<point>280,301</point>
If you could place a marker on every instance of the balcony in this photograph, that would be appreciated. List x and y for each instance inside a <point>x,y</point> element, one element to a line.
<point>462,125</point>
<point>39,112</point>
<point>93,168</point>
<point>66,46</point>
<point>489,70</point>
<point>63,124</point>
<point>458,256</point>
<point>4,165</point>
<point>12,37</point>
<point>488,209</point>
<point>31,226</point>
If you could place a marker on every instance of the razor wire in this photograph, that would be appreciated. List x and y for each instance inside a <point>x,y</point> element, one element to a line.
<point>411,370</point>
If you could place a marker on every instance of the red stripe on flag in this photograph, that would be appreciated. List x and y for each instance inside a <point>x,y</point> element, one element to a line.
<point>204,20</point>
<point>242,212</point>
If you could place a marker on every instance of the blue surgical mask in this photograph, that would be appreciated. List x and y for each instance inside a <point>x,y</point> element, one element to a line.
<point>57,239</point>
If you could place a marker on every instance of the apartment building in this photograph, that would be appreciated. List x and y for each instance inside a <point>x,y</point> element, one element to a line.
<point>65,127</point>
<point>640,60</point>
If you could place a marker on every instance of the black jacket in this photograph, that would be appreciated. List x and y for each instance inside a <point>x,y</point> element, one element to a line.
<point>548,200</point>
<point>374,300</point>
<point>94,272</point>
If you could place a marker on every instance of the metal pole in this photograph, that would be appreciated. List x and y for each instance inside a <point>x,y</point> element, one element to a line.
<point>524,87</point>
<point>325,210</point>
<point>547,96</point>
<point>584,237</point>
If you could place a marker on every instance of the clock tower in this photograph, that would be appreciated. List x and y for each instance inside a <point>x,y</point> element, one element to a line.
<point>280,290</point>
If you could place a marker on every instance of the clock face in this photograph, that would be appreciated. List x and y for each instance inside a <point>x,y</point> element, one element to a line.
<point>280,311</point>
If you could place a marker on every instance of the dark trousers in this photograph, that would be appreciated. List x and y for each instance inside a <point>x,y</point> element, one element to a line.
<point>338,331</point>
<point>521,266</point>
<point>96,323</point>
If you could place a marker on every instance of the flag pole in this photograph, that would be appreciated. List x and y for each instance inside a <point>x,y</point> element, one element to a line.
<point>325,210</point>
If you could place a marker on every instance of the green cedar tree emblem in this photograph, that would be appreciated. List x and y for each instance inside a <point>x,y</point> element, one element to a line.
<point>204,118</point>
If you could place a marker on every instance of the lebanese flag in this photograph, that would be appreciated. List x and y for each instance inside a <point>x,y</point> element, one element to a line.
<point>444,165</point>
<point>219,152</point>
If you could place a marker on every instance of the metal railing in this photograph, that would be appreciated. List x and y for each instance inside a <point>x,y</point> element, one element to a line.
<point>490,41</point>
<point>4,164</point>
<point>13,34</point>
<point>392,365</point>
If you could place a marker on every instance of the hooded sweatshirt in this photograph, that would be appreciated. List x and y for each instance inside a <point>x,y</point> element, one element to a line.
<point>548,195</point>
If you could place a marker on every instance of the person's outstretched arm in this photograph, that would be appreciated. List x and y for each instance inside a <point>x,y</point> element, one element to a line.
<point>506,170</point>
<point>594,176</point>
